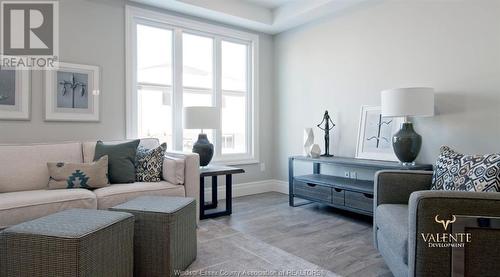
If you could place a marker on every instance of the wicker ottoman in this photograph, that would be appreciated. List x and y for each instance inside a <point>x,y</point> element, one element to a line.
<point>164,236</point>
<point>74,242</point>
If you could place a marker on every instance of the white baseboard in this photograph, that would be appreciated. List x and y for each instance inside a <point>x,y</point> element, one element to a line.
<point>271,185</point>
<point>280,186</point>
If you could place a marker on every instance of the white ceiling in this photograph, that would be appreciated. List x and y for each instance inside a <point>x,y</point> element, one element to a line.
<point>271,4</point>
<point>268,16</point>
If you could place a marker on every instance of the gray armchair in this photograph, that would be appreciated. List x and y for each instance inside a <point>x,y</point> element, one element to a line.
<point>405,207</point>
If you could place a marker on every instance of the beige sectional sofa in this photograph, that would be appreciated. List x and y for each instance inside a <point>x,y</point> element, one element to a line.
<point>24,193</point>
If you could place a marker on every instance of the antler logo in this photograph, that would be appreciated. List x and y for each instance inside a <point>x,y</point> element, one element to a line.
<point>445,222</point>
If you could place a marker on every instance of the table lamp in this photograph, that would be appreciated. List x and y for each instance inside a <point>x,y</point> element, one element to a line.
<point>407,102</point>
<point>202,118</point>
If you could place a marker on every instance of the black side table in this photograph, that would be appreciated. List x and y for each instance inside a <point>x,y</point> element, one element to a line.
<point>214,171</point>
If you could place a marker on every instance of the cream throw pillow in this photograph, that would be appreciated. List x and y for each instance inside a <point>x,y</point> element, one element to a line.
<point>79,175</point>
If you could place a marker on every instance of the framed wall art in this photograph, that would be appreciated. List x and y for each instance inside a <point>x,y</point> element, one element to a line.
<point>375,135</point>
<point>15,94</point>
<point>72,93</point>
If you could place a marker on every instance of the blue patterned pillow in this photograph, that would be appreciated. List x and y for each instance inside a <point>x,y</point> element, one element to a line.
<point>78,175</point>
<point>455,171</point>
<point>149,163</point>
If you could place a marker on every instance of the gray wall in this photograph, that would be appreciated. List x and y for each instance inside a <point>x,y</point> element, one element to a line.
<point>343,62</point>
<point>338,63</point>
<point>93,32</point>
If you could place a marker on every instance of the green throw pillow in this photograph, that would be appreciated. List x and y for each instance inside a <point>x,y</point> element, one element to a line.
<point>121,164</point>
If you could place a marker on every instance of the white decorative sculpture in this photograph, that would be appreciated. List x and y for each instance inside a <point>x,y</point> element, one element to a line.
<point>308,141</point>
<point>315,151</point>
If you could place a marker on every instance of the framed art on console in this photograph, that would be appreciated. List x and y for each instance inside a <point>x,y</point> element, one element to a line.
<point>375,135</point>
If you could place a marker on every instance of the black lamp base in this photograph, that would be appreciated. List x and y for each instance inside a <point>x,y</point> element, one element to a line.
<point>204,148</point>
<point>407,143</point>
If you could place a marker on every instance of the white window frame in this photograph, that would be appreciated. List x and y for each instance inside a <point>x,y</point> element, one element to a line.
<point>134,16</point>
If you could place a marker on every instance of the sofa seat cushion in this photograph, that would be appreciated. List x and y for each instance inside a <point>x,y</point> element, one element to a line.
<point>392,222</point>
<point>120,193</point>
<point>17,207</point>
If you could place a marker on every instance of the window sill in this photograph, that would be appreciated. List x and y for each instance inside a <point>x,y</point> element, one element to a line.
<point>235,162</point>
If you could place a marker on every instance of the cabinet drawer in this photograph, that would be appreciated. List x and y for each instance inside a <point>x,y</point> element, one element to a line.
<point>312,191</point>
<point>338,196</point>
<point>358,200</point>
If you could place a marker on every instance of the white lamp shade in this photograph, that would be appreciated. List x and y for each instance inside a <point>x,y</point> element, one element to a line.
<point>201,118</point>
<point>407,102</point>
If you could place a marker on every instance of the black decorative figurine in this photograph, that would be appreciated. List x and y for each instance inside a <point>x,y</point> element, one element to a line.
<point>327,128</point>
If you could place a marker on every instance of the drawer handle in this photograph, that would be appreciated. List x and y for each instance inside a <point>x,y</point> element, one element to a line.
<point>311,185</point>
<point>338,190</point>
<point>368,195</point>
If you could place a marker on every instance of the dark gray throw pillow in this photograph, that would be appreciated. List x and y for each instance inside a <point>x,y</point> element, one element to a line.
<point>121,160</point>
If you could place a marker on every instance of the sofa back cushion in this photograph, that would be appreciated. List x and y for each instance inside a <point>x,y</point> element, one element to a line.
<point>89,147</point>
<point>24,167</point>
<point>456,171</point>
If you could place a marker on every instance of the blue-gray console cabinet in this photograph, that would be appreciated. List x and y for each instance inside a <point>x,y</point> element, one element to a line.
<point>340,192</point>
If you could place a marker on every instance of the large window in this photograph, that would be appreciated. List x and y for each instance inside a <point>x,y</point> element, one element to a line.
<point>174,63</point>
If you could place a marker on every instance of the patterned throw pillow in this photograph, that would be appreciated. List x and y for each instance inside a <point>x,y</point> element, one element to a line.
<point>79,175</point>
<point>455,171</point>
<point>149,163</point>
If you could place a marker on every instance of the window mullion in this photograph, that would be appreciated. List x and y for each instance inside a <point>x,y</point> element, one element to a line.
<point>132,99</point>
<point>177,91</point>
<point>250,102</point>
<point>218,93</point>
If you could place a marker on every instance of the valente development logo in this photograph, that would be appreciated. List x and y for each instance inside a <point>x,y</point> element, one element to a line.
<point>445,222</point>
<point>445,239</point>
<point>29,34</point>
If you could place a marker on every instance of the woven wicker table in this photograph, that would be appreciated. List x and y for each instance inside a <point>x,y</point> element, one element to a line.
<point>164,236</point>
<point>74,242</point>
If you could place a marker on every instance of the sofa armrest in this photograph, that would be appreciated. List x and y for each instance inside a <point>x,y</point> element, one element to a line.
<point>423,208</point>
<point>395,186</point>
<point>191,176</point>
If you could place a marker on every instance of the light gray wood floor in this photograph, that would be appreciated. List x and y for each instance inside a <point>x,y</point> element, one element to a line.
<point>333,239</point>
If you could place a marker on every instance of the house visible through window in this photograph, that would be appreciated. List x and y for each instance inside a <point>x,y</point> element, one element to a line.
<point>228,141</point>
<point>176,63</point>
